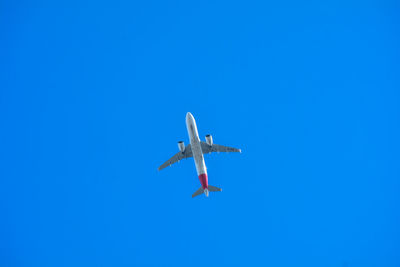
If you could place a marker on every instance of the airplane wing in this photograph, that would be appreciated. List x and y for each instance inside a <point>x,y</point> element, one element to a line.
<point>206,148</point>
<point>177,157</point>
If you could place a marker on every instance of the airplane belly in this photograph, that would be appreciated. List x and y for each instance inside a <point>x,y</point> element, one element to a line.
<point>198,158</point>
<point>196,151</point>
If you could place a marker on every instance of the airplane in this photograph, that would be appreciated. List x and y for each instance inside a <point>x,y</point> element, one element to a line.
<point>196,149</point>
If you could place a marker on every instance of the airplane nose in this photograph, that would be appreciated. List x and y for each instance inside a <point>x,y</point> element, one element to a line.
<point>189,116</point>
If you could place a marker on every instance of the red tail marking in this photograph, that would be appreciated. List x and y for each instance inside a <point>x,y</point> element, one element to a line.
<point>203,180</point>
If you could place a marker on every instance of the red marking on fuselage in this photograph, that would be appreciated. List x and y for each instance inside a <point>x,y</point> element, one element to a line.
<point>203,180</point>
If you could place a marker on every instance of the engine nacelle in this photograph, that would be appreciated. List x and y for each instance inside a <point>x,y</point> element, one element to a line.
<point>181,146</point>
<point>209,139</point>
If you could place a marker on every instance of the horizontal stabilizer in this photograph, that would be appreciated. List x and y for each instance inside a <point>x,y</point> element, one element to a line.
<point>209,189</point>
<point>198,192</point>
<point>214,189</point>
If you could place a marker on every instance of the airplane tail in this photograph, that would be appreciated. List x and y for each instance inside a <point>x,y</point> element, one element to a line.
<point>205,191</point>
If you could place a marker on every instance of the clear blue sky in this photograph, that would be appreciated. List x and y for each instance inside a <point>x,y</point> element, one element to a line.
<point>93,97</point>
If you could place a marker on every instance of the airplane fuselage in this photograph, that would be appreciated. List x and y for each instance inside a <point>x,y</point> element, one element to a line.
<point>197,152</point>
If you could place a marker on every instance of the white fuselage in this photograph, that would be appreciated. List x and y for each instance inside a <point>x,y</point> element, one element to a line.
<point>195,144</point>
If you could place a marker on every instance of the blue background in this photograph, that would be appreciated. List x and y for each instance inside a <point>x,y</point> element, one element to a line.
<point>93,98</point>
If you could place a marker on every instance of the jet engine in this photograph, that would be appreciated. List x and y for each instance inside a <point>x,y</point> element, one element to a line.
<point>209,139</point>
<point>181,146</point>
